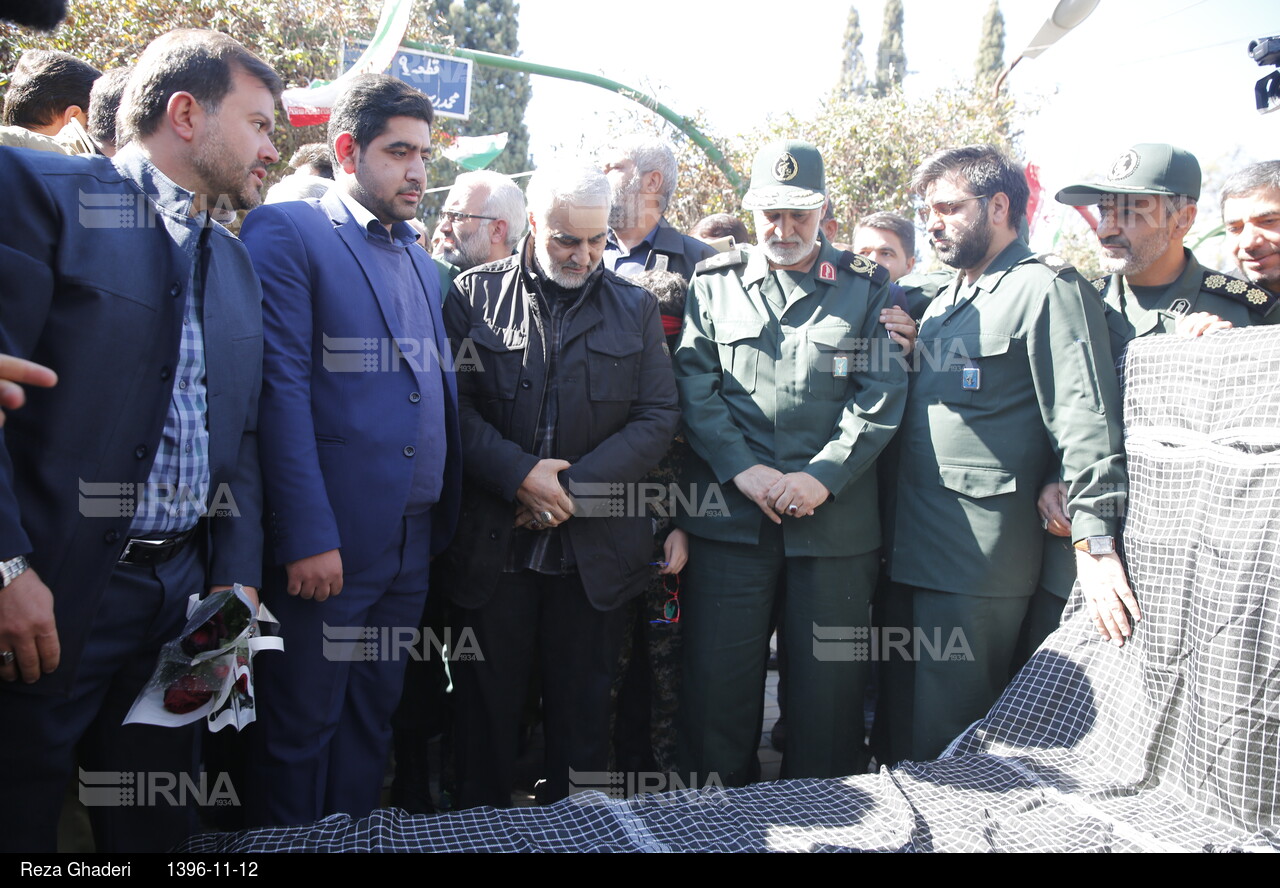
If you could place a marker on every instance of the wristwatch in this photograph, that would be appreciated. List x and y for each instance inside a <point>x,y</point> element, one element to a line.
<point>1101,545</point>
<point>11,569</point>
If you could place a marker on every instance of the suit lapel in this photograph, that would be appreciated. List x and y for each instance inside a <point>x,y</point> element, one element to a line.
<point>354,237</point>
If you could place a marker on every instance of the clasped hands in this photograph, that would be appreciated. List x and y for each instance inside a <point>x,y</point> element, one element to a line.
<point>795,494</point>
<point>544,503</point>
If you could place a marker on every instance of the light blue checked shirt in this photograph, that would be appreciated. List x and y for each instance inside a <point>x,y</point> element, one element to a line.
<point>176,492</point>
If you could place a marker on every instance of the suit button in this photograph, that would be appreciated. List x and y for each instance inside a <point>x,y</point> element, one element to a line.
<point>409,450</point>
<point>493,534</point>
<point>175,290</point>
<point>111,536</point>
<point>140,452</point>
<point>415,398</point>
<point>524,384</point>
<point>165,373</point>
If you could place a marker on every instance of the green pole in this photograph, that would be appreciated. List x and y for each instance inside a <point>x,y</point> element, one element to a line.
<point>684,124</point>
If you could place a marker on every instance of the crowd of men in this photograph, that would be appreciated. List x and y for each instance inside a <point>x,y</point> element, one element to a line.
<point>484,410</point>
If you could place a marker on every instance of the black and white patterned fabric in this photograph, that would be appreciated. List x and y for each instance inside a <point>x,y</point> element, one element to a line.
<point>1167,744</point>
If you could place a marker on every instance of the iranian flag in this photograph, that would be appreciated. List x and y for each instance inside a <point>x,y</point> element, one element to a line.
<point>310,105</point>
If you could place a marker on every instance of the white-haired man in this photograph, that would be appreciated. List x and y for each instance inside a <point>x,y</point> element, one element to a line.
<point>567,387</point>
<point>642,174</point>
<point>481,220</point>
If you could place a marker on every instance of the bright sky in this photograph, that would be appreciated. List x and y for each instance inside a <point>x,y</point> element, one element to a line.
<point>1135,71</point>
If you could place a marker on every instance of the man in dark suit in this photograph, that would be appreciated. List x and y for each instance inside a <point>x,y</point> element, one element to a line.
<point>642,176</point>
<point>359,452</point>
<point>568,400</point>
<point>148,311</point>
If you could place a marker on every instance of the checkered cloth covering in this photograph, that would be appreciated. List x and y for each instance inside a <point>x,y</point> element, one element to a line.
<point>1169,743</point>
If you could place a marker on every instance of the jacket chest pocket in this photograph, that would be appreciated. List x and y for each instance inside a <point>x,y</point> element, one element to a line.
<point>977,369</point>
<point>496,362</point>
<point>739,342</point>
<point>834,355</point>
<point>613,365</point>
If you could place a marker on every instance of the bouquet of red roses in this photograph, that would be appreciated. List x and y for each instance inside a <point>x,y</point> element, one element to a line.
<point>206,672</point>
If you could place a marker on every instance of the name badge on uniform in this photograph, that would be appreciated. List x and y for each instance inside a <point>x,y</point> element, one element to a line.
<point>971,379</point>
<point>826,272</point>
<point>840,366</point>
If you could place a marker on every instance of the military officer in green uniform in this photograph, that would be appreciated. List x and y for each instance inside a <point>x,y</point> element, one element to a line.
<point>1154,285</point>
<point>1012,368</point>
<point>790,388</point>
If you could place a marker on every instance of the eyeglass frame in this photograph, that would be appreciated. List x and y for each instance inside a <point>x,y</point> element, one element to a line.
<point>455,217</point>
<point>923,213</point>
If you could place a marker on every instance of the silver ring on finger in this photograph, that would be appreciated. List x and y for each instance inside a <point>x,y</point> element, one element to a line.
<point>792,509</point>
<point>546,517</point>
<point>7,657</point>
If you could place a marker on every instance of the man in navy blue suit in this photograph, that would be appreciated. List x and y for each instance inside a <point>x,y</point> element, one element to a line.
<point>359,445</point>
<point>113,274</point>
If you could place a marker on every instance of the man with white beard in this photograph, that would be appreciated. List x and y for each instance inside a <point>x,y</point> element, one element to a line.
<point>481,220</point>
<point>642,174</point>
<point>790,388</point>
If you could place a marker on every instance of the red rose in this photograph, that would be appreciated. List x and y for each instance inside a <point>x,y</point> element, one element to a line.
<point>186,694</point>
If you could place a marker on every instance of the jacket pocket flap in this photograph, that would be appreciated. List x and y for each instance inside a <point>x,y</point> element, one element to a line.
<point>616,343</point>
<point>980,345</point>
<point>504,339</point>
<point>729,331</point>
<point>977,481</point>
<point>836,337</point>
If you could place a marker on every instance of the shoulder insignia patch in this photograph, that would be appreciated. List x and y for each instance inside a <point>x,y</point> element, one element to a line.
<point>827,272</point>
<point>720,260</point>
<point>862,265</point>
<point>1259,301</point>
<point>1053,261</point>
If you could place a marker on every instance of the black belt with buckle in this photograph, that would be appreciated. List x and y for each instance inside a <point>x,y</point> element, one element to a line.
<point>144,551</point>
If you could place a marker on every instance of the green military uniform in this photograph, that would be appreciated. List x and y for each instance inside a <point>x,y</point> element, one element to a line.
<point>920,287</point>
<point>792,371</point>
<point>1132,315</point>
<point>1156,169</point>
<point>1011,373</point>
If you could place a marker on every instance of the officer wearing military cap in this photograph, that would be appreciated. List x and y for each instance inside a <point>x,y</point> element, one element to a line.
<point>1154,285</point>
<point>790,388</point>
<point>1013,378</point>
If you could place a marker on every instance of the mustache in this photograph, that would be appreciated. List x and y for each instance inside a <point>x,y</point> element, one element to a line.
<point>1114,241</point>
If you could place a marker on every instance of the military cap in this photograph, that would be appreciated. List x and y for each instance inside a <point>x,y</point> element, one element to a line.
<point>786,175</point>
<point>1143,169</point>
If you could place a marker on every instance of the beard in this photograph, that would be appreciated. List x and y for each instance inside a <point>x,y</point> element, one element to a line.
<point>569,279</point>
<point>787,254</point>
<point>1139,255</point>
<point>227,184</point>
<point>966,246</point>
<point>624,212</point>
<point>471,249</point>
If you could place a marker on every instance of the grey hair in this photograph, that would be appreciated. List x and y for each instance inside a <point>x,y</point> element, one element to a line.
<point>1254,177</point>
<point>505,200</point>
<point>573,184</point>
<point>649,153</point>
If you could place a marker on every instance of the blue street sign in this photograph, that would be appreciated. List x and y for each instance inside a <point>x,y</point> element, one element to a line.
<point>445,79</point>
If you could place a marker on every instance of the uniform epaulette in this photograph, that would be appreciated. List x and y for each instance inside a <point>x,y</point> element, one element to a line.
<point>1054,262</point>
<point>1100,284</point>
<point>720,260</point>
<point>862,265</point>
<point>1260,302</point>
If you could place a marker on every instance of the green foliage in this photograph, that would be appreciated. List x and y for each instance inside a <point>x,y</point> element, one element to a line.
<point>853,69</point>
<point>990,61</point>
<point>891,55</point>
<point>299,38</point>
<point>870,147</point>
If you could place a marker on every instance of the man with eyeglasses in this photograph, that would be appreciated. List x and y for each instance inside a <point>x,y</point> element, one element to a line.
<point>1014,373</point>
<point>481,220</point>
